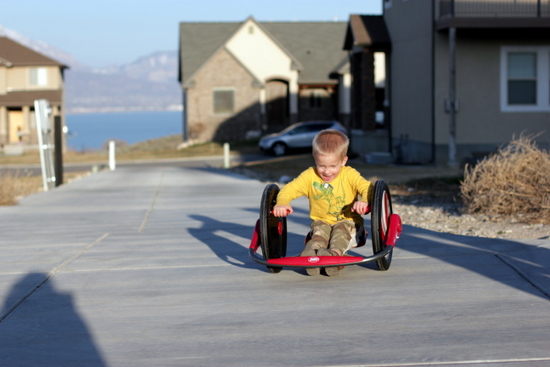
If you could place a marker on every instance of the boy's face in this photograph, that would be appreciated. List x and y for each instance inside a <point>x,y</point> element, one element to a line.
<point>328,166</point>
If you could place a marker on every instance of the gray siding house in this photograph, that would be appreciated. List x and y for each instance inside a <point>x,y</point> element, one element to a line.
<point>462,77</point>
<point>466,76</point>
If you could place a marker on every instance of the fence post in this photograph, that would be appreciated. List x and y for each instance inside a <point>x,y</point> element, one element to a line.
<point>226,161</point>
<point>112,162</point>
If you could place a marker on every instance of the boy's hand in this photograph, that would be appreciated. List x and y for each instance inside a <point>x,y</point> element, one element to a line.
<point>360,207</point>
<point>282,210</point>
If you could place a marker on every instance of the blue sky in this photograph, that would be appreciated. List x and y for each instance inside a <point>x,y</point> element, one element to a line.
<point>105,32</point>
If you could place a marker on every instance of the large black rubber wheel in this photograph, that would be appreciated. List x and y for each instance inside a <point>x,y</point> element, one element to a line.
<point>272,229</point>
<point>381,211</point>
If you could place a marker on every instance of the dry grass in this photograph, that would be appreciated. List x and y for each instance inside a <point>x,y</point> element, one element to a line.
<point>16,185</point>
<point>514,182</point>
<point>161,148</point>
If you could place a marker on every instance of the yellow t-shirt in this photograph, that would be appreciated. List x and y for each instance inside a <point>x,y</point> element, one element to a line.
<point>329,202</point>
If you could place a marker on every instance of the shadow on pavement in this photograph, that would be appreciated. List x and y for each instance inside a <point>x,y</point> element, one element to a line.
<point>485,256</point>
<point>46,328</point>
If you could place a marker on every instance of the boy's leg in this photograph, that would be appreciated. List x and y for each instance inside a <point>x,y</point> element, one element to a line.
<point>320,235</point>
<point>342,233</point>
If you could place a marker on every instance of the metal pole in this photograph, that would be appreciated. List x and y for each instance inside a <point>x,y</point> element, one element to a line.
<point>185,132</point>
<point>452,98</point>
<point>58,150</point>
<point>112,162</point>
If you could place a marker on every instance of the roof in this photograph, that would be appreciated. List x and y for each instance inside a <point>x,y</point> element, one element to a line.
<point>15,54</point>
<point>315,47</point>
<point>367,31</point>
<point>27,98</point>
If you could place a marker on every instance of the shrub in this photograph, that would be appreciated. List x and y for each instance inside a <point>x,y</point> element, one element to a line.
<point>16,185</point>
<point>514,182</point>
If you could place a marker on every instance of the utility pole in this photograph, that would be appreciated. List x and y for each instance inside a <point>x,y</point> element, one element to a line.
<point>451,102</point>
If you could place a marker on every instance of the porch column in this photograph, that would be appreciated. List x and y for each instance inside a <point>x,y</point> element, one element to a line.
<point>26,124</point>
<point>293,100</point>
<point>3,125</point>
<point>263,118</point>
<point>345,99</point>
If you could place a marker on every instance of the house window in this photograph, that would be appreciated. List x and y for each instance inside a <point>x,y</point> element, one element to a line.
<point>38,76</point>
<point>525,79</point>
<point>522,78</point>
<point>224,101</point>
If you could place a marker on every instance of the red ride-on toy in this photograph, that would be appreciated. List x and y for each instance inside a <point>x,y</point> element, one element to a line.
<point>271,234</point>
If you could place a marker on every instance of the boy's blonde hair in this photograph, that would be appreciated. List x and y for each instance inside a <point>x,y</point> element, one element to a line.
<point>331,142</point>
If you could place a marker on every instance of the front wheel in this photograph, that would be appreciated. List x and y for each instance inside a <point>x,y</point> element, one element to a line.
<point>273,233</point>
<point>381,211</point>
<point>279,149</point>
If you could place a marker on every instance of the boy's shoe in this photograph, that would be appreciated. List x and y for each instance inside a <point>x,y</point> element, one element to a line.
<point>310,252</point>
<point>332,271</point>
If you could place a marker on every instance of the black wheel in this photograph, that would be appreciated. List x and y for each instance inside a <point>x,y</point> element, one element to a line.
<point>381,211</point>
<point>279,149</point>
<point>272,229</point>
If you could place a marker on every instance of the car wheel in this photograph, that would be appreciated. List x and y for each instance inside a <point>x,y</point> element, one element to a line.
<point>279,149</point>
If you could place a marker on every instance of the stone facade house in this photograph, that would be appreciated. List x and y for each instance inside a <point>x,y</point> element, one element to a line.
<point>25,76</point>
<point>256,77</point>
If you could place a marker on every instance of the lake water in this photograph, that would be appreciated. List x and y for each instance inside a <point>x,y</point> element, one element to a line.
<point>92,131</point>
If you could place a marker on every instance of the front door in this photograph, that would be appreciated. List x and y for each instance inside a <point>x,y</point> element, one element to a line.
<point>15,123</point>
<point>276,105</point>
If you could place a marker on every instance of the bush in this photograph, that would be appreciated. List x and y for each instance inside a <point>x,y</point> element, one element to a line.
<point>514,182</point>
<point>16,185</point>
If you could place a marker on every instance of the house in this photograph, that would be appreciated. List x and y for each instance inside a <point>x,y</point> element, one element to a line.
<point>256,77</point>
<point>465,76</point>
<point>25,76</point>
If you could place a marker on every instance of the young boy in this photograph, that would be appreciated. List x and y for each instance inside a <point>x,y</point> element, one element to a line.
<point>332,190</point>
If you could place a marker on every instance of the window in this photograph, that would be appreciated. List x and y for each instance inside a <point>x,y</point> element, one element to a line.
<point>38,76</point>
<point>525,79</point>
<point>224,101</point>
<point>522,78</point>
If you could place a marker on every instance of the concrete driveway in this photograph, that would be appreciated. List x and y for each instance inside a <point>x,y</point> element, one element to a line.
<point>148,266</point>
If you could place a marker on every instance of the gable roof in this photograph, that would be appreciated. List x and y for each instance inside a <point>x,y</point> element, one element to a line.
<point>315,47</point>
<point>367,31</point>
<point>15,54</point>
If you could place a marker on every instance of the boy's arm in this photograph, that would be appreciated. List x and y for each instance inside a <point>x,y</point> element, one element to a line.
<point>363,187</point>
<point>293,190</point>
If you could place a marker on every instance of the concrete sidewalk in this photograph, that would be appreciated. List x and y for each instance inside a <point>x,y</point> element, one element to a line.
<point>149,267</point>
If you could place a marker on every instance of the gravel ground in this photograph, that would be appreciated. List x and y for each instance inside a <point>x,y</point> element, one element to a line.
<point>434,204</point>
<point>445,216</point>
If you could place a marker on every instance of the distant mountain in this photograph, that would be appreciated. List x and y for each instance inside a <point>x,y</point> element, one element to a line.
<point>147,84</point>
